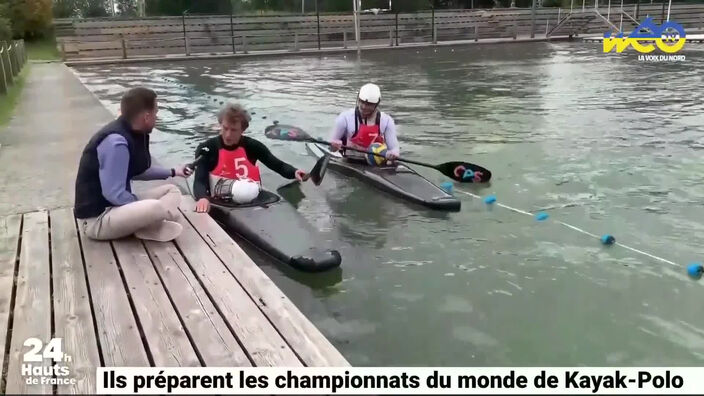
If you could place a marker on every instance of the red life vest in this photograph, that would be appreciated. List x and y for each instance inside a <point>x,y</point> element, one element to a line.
<point>233,164</point>
<point>365,135</point>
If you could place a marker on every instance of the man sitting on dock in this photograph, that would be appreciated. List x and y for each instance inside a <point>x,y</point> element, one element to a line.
<point>117,154</point>
<point>231,155</point>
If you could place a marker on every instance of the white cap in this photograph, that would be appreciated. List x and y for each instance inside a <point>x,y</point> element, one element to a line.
<point>244,191</point>
<point>370,93</point>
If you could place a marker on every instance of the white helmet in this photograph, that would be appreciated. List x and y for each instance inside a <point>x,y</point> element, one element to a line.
<point>244,191</point>
<point>370,93</point>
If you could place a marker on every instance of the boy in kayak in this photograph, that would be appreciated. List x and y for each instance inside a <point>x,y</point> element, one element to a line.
<point>117,154</point>
<point>231,155</point>
<point>364,125</point>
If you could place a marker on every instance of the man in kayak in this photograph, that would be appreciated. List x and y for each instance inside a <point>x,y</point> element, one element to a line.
<point>231,155</point>
<point>117,154</point>
<point>364,125</point>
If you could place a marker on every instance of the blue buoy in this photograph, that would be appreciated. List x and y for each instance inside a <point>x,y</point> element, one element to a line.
<point>490,199</point>
<point>447,186</point>
<point>541,216</point>
<point>695,270</point>
<point>607,239</point>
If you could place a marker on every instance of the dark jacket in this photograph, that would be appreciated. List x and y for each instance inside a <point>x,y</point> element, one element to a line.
<point>89,199</point>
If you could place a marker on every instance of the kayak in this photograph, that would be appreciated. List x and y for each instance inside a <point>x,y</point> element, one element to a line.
<point>401,181</point>
<point>275,227</point>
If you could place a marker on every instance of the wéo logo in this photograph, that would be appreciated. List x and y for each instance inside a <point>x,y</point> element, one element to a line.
<point>669,38</point>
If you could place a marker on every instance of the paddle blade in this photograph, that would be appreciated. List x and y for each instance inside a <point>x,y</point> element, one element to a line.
<point>291,192</point>
<point>286,132</point>
<point>318,172</point>
<point>464,172</point>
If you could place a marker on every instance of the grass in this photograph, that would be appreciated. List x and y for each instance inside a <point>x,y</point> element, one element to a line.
<point>9,101</point>
<point>42,49</point>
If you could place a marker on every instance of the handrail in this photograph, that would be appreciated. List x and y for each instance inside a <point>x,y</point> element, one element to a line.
<point>12,60</point>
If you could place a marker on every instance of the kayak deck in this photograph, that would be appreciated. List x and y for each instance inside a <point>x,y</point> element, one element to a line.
<point>401,181</point>
<point>275,227</point>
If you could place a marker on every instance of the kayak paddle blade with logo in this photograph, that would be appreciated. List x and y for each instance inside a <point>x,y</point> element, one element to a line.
<point>465,172</point>
<point>286,132</point>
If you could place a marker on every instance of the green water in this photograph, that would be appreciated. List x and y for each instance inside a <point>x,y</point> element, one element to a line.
<point>606,144</point>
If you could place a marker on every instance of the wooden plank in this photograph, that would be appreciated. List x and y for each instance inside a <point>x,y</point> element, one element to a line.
<point>100,53</point>
<point>73,318</point>
<point>9,240</point>
<point>258,337</point>
<point>214,342</point>
<point>32,312</point>
<point>118,334</point>
<point>308,342</point>
<point>168,343</point>
<point>106,45</point>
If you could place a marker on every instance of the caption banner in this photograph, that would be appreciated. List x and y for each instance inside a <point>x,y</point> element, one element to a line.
<point>399,380</point>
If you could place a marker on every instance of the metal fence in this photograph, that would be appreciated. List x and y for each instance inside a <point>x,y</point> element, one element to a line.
<point>13,57</point>
<point>221,34</point>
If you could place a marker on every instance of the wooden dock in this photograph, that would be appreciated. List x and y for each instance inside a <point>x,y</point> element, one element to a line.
<point>197,301</point>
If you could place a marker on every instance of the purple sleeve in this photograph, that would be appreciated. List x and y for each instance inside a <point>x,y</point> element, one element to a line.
<point>390,136</point>
<point>114,159</point>
<point>155,172</point>
<point>340,129</point>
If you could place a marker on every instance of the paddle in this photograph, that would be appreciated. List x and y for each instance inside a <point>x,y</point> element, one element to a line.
<point>291,192</point>
<point>463,172</point>
<point>318,172</point>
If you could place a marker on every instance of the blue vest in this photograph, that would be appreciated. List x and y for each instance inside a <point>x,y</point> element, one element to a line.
<point>89,199</point>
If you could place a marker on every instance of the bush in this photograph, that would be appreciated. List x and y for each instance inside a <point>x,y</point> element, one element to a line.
<point>94,8</point>
<point>5,24</point>
<point>65,8</point>
<point>37,16</point>
<point>26,18</point>
<point>560,3</point>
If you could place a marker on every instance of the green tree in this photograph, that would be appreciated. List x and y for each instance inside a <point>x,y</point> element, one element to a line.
<point>5,24</point>
<point>127,7</point>
<point>412,5</point>
<point>66,8</point>
<point>28,18</point>
<point>94,8</point>
<point>177,7</point>
<point>37,16</point>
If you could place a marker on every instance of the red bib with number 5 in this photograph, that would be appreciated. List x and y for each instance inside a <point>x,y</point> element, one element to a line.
<point>233,164</point>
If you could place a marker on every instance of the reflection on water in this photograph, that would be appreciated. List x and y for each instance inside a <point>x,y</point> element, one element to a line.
<point>600,141</point>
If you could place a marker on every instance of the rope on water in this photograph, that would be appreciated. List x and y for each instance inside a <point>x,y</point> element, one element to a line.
<point>694,269</point>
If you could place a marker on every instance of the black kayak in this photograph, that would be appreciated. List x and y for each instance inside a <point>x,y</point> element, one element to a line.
<point>401,180</point>
<point>275,227</point>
